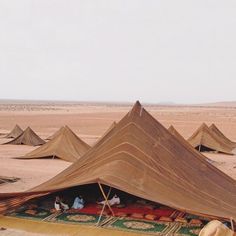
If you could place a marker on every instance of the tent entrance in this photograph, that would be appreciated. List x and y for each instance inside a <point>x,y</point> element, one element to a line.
<point>202,148</point>
<point>130,212</point>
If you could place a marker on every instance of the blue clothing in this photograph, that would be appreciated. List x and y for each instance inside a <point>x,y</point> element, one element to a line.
<point>78,203</point>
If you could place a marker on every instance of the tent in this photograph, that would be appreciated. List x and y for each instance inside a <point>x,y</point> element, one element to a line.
<point>203,139</point>
<point>28,137</point>
<point>65,145</point>
<point>141,157</point>
<point>15,132</point>
<point>215,129</point>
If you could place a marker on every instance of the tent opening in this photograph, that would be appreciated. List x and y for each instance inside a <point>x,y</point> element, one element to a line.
<point>95,211</point>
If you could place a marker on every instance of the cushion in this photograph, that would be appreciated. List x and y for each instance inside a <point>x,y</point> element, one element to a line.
<point>137,215</point>
<point>165,218</point>
<point>195,222</point>
<point>150,217</point>
<point>181,220</point>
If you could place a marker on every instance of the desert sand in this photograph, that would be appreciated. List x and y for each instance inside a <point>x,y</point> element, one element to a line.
<point>89,121</point>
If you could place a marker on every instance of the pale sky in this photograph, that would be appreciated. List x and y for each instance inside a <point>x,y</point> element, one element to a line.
<point>182,51</point>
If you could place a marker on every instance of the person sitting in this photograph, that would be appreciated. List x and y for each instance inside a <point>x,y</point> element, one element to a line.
<point>59,205</point>
<point>78,203</point>
<point>114,201</point>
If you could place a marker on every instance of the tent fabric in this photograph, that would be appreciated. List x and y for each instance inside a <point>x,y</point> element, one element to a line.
<point>173,131</point>
<point>215,130</point>
<point>66,145</point>
<point>204,137</point>
<point>28,137</point>
<point>15,132</point>
<point>141,157</point>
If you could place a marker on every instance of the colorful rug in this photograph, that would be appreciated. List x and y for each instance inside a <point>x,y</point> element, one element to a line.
<point>37,214</point>
<point>79,218</point>
<point>154,228</point>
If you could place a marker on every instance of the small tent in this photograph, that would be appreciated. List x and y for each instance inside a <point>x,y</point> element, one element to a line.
<point>66,145</point>
<point>28,137</point>
<point>203,139</point>
<point>141,157</point>
<point>15,132</point>
<point>215,130</point>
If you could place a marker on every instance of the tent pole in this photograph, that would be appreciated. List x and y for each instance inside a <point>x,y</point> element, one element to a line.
<point>106,200</point>
<point>199,148</point>
<point>232,224</point>
<point>103,208</point>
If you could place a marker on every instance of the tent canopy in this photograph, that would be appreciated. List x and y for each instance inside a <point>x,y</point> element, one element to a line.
<point>162,168</point>
<point>66,145</point>
<point>204,138</point>
<point>15,132</point>
<point>28,137</point>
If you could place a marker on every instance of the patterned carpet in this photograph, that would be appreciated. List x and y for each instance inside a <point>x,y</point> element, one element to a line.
<point>158,221</point>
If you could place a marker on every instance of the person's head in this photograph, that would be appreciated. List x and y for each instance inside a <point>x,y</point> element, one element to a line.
<point>57,198</point>
<point>80,196</point>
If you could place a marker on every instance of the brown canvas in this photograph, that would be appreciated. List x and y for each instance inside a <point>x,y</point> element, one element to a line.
<point>15,132</point>
<point>141,157</point>
<point>203,138</point>
<point>66,145</point>
<point>28,137</point>
<point>215,130</point>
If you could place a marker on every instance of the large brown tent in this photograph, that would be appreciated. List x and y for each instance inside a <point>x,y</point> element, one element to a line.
<point>15,132</point>
<point>203,139</point>
<point>215,129</point>
<point>139,156</point>
<point>65,145</point>
<point>28,137</point>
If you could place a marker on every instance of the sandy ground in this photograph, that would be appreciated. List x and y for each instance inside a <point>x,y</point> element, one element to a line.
<point>90,121</point>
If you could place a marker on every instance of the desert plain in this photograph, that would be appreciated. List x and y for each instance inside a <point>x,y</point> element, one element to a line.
<point>89,121</point>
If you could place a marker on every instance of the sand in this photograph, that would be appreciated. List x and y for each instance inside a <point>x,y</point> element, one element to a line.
<point>90,121</point>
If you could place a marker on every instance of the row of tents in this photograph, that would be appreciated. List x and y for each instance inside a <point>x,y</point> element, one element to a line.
<point>66,145</point>
<point>165,169</point>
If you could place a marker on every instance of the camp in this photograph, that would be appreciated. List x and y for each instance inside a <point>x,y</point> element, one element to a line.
<point>28,137</point>
<point>203,139</point>
<point>163,170</point>
<point>65,145</point>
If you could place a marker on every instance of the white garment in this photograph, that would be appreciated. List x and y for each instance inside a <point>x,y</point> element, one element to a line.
<point>115,200</point>
<point>61,205</point>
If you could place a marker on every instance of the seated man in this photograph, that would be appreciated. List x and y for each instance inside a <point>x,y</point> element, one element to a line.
<point>59,205</point>
<point>78,203</point>
<point>114,201</point>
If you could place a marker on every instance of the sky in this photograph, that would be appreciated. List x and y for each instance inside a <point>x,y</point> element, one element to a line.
<point>122,50</point>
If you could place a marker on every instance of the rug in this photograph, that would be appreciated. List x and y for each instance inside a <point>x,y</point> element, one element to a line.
<point>79,218</point>
<point>37,214</point>
<point>153,228</point>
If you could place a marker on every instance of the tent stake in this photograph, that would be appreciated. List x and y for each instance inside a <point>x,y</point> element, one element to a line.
<point>106,200</point>
<point>103,208</point>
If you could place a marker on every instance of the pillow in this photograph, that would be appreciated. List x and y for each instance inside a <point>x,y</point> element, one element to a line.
<point>165,218</point>
<point>137,215</point>
<point>150,217</point>
<point>120,214</point>
<point>181,220</point>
